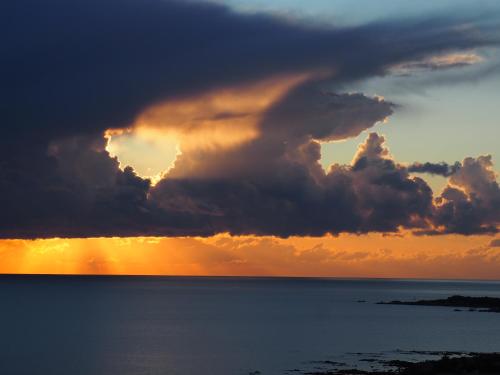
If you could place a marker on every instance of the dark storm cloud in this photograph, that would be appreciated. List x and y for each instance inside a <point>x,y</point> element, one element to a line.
<point>295,197</point>
<point>72,69</point>
<point>275,184</point>
<point>289,131</point>
<point>440,169</point>
<point>78,190</point>
<point>471,202</point>
<point>87,65</point>
<point>386,196</point>
<point>325,116</point>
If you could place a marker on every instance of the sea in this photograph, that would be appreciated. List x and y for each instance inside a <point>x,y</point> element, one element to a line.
<point>135,325</point>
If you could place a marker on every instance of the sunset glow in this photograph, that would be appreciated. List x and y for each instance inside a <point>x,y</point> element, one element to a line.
<point>218,138</point>
<point>219,119</point>
<point>245,187</point>
<point>475,257</point>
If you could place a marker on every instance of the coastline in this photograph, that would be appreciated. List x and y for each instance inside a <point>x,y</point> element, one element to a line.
<point>480,304</point>
<point>449,364</point>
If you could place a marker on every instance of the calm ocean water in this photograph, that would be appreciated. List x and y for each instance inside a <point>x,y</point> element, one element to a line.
<point>74,325</point>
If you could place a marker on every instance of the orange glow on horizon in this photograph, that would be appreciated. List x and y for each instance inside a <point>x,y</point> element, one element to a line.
<point>372,255</point>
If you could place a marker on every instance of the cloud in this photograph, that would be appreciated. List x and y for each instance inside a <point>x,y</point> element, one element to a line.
<point>495,243</point>
<point>387,197</point>
<point>471,201</point>
<point>288,134</point>
<point>285,192</point>
<point>440,169</point>
<point>87,66</point>
<point>73,70</point>
<point>310,111</point>
<point>439,62</point>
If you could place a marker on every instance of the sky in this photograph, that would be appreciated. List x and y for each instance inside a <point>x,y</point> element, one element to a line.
<point>284,138</point>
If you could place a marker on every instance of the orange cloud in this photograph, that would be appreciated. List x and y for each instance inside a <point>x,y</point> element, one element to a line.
<point>442,61</point>
<point>221,118</point>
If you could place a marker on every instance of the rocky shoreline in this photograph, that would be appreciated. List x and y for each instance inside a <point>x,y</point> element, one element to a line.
<point>402,362</point>
<point>482,304</point>
<point>469,364</point>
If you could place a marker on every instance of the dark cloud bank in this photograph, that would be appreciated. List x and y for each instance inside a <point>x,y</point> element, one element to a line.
<point>72,69</point>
